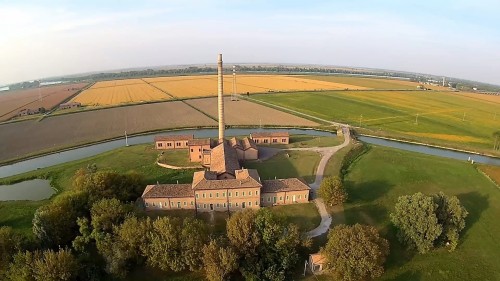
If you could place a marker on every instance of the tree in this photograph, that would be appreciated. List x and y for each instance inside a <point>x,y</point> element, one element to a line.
<point>55,224</point>
<point>44,266</point>
<point>356,252</point>
<point>195,236</point>
<point>416,220</point>
<point>332,191</point>
<point>106,213</point>
<point>219,261</point>
<point>451,216</point>
<point>10,243</point>
<point>241,232</point>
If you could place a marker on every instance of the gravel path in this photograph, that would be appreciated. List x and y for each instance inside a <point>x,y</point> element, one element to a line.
<point>326,154</point>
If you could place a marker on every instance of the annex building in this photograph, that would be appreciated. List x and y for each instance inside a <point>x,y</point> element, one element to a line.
<point>224,185</point>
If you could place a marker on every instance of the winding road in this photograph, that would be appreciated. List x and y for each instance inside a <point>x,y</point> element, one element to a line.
<point>326,153</point>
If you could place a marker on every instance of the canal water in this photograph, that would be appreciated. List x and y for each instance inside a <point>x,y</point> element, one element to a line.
<point>91,150</point>
<point>27,190</point>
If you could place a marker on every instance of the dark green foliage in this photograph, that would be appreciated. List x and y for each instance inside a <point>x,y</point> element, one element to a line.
<point>55,224</point>
<point>426,221</point>
<point>44,266</point>
<point>332,191</point>
<point>351,156</point>
<point>219,261</point>
<point>356,252</point>
<point>10,243</point>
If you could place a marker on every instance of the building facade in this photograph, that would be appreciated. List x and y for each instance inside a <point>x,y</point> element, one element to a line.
<point>270,138</point>
<point>172,141</point>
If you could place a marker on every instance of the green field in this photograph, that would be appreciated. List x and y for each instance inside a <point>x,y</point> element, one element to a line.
<point>176,157</point>
<point>380,176</point>
<point>374,83</point>
<point>297,164</point>
<point>441,118</point>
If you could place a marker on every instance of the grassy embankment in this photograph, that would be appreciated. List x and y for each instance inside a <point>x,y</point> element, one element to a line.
<point>441,119</point>
<point>380,176</point>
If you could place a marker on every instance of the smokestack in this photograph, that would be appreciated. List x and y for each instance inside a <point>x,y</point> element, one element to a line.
<point>220,94</point>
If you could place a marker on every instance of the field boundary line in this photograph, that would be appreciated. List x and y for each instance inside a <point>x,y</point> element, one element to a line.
<point>168,94</point>
<point>488,177</point>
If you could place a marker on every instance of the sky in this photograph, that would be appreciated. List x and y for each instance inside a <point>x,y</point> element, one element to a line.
<point>452,38</point>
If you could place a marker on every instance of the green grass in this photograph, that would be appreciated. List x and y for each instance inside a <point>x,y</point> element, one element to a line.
<point>299,164</point>
<point>137,158</point>
<point>380,176</point>
<point>176,157</point>
<point>334,165</point>
<point>297,141</point>
<point>305,216</point>
<point>393,113</point>
<point>375,83</point>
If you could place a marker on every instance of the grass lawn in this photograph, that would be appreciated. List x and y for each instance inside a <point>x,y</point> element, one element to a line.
<point>441,117</point>
<point>305,216</point>
<point>310,141</point>
<point>381,175</point>
<point>138,158</point>
<point>299,164</point>
<point>176,157</point>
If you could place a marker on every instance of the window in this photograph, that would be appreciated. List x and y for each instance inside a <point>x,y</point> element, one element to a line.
<point>224,205</point>
<point>281,198</point>
<point>283,140</point>
<point>169,144</point>
<point>197,196</point>
<point>204,206</point>
<point>153,204</point>
<point>305,196</point>
<point>199,149</point>
<point>249,204</point>
<point>230,205</point>
<point>268,199</point>
<point>243,193</point>
<point>256,203</point>
<point>199,205</point>
<point>217,194</point>
<point>266,141</point>
<point>178,204</point>
<point>178,144</point>
<point>218,205</point>
<point>171,203</point>
<point>147,205</point>
<point>203,195</point>
<point>160,144</point>
<point>186,143</point>
<point>229,194</point>
<point>223,194</point>
<point>199,156</point>
<point>210,195</point>
<point>192,203</point>
<point>185,203</point>
<point>275,140</point>
<point>236,193</point>
<point>256,192</point>
<point>192,150</point>
<point>236,204</point>
<point>287,197</point>
<point>249,193</point>
<point>256,141</point>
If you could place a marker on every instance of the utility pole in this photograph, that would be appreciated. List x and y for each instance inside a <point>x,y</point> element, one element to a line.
<point>126,139</point>
<point>360,118</point>
<point>416,119</point>
<point>463,118</point>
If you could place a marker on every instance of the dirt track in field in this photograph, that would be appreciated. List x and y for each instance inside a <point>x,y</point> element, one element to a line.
<point>30,137</point>
<point>248,113</point>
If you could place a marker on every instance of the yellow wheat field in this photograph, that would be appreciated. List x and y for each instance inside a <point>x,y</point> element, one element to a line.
<point>108,93</point>
<point>206,85</point>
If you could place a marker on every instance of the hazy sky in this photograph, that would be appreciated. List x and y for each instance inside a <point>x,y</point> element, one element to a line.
<point>452,38</point>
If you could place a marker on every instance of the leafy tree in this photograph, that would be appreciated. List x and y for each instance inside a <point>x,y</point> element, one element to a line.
<point>55,224</point>
<point>44,266</point>
<point>241,232</point>
<point>108,212</point>
<point>10,243</point>
<point>451,215</point>
<point>120,248</point>
<point>355,252</point>
<point>219,261</point>
<point>105,184</point>
<point>416,220</point>
<point>332,191</point>
<point>195,236</point>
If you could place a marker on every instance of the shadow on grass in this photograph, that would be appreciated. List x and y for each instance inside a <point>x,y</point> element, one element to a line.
<point>366,191</point>
<point>475,203</point>
<point>408,276</point>
<point>371,214</point>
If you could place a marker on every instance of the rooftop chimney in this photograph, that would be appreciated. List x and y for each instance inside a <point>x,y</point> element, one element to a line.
<point>220,94</point>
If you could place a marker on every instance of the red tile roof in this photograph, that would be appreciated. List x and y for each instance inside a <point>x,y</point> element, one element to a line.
<point>245,179</point>
<point>174,138</point>
<point>279,185</point>
<point>208,141</point>
<point>269,134</point>
<point>168,190</point>
<point>223,159</point>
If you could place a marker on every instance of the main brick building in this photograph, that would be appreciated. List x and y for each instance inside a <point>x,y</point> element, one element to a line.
<point>224,185</point>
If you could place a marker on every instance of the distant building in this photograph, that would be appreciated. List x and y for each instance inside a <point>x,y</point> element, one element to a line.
<point>29,111</point>
<point>69,105</point>
<point>271,137</point>
<point>316,262</point>
<point>172,141</point>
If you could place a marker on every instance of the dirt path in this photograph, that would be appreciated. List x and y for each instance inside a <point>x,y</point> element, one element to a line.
<point>326,154</point>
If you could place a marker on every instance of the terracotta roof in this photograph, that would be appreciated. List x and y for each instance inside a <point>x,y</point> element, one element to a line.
<point>248,143</point>
<point>269,134</point>
<point>168,190</point>
<point>223,159</point>
<point>174,138</point>
<point>317,258</point>
<point>279,185</point>
<point>202,142</point>
<point>246,179</point>
<point>203,175</point>
<point>234,142</point>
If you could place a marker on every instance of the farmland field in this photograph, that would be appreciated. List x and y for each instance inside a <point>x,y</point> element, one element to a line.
<point>52,133</point>
<point>374,83</point>
<point>248,113</point>
<point>444,118</point>
<point>206,85</point>
<point>11,102</point>
<point>107,93</point>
